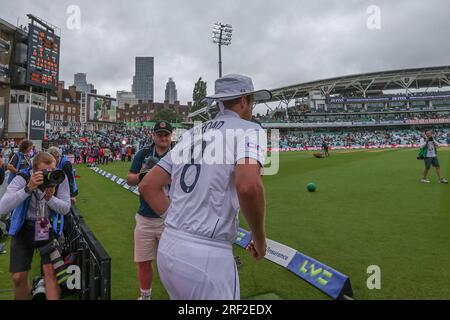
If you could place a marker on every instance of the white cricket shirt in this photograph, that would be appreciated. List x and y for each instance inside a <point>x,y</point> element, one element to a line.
<point>203,193</point>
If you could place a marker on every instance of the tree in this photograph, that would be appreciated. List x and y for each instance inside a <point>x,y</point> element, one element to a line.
<point>198,95</point>
<point>169,115</point>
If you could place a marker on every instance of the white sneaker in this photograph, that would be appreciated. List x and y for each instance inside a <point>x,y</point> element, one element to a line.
<point>443,181</point>
<point>425,181</point>
<point>146,295</point>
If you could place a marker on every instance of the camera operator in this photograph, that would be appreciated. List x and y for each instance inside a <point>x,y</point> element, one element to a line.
<point>20,160</point>
<point>64,164</point>
<point>431,158</point>
<point>149,225</point>
<point>30,226</point>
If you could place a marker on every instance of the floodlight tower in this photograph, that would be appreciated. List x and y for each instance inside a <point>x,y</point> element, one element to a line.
<point>221,35</point>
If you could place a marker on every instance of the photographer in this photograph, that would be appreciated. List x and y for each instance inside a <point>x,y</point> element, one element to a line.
<point>20,160</point>
<point>64,164</point>
<point>149,225</point>
<point>34,201</point>
<point>429,145</point>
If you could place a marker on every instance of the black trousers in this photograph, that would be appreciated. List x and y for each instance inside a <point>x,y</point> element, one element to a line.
<point>23,247</point>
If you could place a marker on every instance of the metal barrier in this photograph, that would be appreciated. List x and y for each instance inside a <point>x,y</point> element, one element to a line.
<point>92,258</point>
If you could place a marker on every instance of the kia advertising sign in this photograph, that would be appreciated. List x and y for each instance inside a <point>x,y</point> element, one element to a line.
<point>36,124</point>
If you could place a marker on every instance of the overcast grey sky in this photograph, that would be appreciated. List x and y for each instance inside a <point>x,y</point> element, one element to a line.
<point>276,42</point>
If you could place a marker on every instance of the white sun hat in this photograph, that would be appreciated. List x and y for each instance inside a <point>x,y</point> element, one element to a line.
<point>233,86</point>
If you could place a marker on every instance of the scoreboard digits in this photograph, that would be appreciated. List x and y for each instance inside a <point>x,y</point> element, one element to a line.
<point>43,58</point>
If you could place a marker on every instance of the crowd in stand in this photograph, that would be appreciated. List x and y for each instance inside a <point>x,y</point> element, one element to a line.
<point>100,147</point>
<point>97,147</point>
<point>362,137</point>
<point>375,118</point>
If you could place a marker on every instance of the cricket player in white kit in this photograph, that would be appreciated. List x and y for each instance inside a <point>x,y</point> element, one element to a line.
<point>195,258</point>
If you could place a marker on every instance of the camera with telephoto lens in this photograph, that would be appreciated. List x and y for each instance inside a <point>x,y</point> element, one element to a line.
<point>53,250</point>
<point>52,178</point>
<point>148,165</point>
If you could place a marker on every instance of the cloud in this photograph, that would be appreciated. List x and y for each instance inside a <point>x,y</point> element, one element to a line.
<point>276,42</point>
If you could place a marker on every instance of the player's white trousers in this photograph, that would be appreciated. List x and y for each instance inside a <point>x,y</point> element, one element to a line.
<point>196,268</point>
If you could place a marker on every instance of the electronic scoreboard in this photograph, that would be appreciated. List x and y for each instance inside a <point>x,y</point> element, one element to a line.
<point>43,58</point>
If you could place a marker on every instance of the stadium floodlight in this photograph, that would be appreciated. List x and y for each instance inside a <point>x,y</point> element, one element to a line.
<point>221,35</point>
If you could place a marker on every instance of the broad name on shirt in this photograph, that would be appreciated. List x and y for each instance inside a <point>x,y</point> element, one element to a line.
<point>217,142</point>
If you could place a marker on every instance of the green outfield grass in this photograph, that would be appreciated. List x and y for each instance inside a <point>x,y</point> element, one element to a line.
<point>369,209</point>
